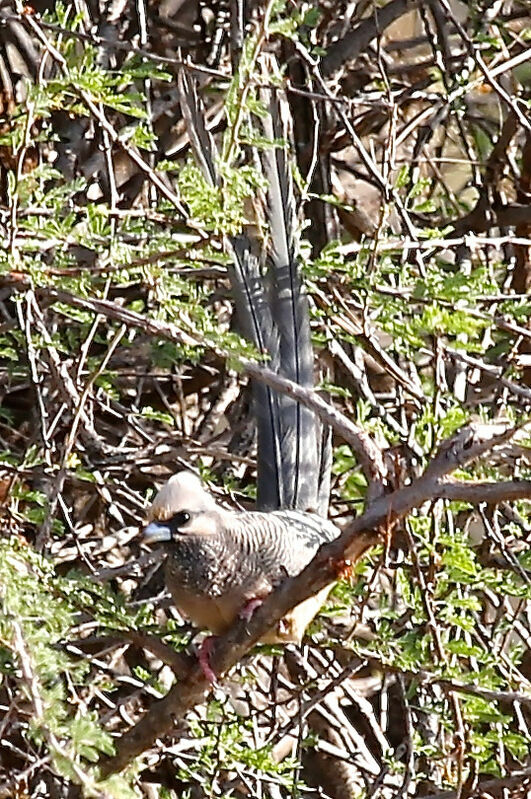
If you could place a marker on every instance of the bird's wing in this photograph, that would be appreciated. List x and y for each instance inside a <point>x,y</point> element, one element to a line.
<point>306,532</point>
<point>277,544</point>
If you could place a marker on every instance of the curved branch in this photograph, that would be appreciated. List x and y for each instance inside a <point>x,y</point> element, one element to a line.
<point>361,534</point>
<point>364,447</point>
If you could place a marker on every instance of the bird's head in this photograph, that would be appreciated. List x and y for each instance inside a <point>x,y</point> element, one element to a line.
<point>182,507</point>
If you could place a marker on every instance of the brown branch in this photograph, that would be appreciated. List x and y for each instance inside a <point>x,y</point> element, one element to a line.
<point>424,677</point>
<point>491,493</point>
<point>486,216</point>
<point>357,41</point>
<point>466,445</point>
<point>519,781</point>
<point>113,45</point>
<point>179,662</point>
<point>363,533</point>
<point>495,371</point>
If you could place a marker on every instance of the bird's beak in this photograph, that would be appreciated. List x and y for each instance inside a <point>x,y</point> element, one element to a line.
<point>156,531</point>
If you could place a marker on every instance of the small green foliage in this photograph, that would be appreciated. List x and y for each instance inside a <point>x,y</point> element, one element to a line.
<point>355,484</point>
<point>160,416</point>
<point>223,739</point>
<point>218,210</point>
<point>36,617</point>
<point>398,296</point>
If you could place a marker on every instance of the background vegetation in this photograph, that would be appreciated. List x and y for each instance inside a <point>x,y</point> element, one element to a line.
<point>120,363</point>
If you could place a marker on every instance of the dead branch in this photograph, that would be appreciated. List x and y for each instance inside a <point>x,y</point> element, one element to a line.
<point>361,534</point>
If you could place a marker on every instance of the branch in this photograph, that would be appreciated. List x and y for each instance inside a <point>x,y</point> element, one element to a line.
<point>491,493</point>
<point>358,40</point>
<point>486,216</point>
<point>361,534</point>
<point>111,45</point>
<point>366,450</point>
<point>515,783</point>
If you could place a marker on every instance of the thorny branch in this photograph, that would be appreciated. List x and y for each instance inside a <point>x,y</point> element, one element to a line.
<point>412,119</point>
<point>361,534</point>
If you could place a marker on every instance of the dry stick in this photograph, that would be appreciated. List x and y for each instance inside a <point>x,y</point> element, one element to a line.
<point>33,686</point>
<point>25,323</point>
<point>19,174</point>
<point>427,678</point>
<point>470,240</point>
<point>386,189</point>
<point>364,447</point>
<point>79,414</point>
<point>483,68</point>
<point>361,442</point>
<point>459,736</point>
<point>112,45</point>
<point>154,178</point>
<point>369,334</point>
<point>61,374</point>
<point>359,536</point>
<point>495,371</point>
<point>366,450</point>
<point>357,41</point>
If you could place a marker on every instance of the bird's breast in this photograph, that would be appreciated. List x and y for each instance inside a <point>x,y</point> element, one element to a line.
<point>206,580</point>
<point>205,567</point>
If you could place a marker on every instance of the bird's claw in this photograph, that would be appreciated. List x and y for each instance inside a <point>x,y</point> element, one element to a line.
<point>249,608</point>
<point>203,656</point>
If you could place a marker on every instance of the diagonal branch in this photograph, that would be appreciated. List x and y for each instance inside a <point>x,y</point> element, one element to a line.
<point>361,534</point>
<point>365,448</point>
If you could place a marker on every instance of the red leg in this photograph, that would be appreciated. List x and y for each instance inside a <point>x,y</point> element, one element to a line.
<point>204,658</point>
<point>249,608</point>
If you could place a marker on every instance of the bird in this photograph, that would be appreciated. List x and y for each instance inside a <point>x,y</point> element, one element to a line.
<point>221,564</point>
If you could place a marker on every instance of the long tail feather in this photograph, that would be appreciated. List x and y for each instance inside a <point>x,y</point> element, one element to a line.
<point>256,320</point>
<point>252,309</point>
<point>272,313</point>
<point>289,302</point>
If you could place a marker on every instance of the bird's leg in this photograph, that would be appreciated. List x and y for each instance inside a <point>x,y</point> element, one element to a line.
<point>203,656</point>
<point>249,608</point>
<point>206,646</point>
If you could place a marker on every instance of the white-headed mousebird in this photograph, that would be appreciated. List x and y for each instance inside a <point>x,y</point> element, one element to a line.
<point>222,563</point>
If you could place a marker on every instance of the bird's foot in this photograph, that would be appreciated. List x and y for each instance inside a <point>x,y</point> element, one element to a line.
<point>203,656</point>
<point>249,608</point>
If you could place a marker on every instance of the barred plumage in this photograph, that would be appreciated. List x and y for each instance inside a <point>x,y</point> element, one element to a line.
<point>219,561</point>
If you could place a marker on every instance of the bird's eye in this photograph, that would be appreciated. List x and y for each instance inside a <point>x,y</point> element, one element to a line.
<point>180,519</point>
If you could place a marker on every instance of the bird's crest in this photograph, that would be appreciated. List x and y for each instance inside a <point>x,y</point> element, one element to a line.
<point>183,492</point>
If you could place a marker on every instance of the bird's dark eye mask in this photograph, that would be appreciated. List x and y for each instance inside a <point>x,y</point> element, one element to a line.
<point>202,524</point>
<point>178,520</point>
<point>164,531</point>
